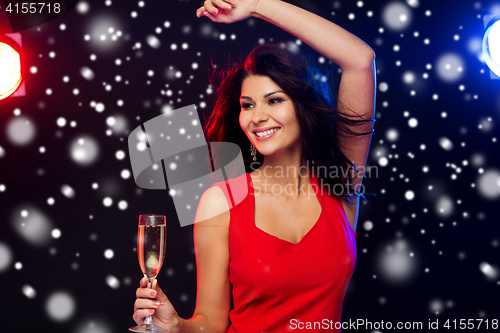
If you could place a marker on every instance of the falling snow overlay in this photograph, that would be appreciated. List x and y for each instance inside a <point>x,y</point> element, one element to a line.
<point>428,242</point>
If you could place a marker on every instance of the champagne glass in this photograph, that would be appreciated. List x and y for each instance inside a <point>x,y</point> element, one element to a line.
<point>151,244</point>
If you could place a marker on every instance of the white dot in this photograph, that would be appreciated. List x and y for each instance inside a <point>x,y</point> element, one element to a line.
<point>61,122</point>
<point>122,205</point>
<point>173,166</point>
<point>125,174</point>
<point>28,291</point>
<point>120,155</point>
<point>99,107</point>
<point>413,122</point>
<point>56,233</point>
<point>409,195</point>
<point>111,121</point>
<point>392,134</point>
<point>141,146</point>
<point>67,191</point>
<point>182,131</point>
<point>107,201</point>
<point>368,225</point>
<point>109,254</point>
<point>18,265</point>
<point>113,282</point>
<point>50,201</point>
<point>33,69</point>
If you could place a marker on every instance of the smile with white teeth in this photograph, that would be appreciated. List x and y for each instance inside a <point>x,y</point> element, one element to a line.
<point>274,130</point>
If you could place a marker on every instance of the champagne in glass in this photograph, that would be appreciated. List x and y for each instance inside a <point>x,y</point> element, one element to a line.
<point>151,245</point>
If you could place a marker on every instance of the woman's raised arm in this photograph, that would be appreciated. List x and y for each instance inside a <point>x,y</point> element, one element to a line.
<point>356,97</point>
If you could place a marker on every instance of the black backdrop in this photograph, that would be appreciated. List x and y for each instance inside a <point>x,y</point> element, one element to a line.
<point>416,263</point>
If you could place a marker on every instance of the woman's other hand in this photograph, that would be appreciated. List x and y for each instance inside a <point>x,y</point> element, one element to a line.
<point>153,302</point>
<point>227,11</point>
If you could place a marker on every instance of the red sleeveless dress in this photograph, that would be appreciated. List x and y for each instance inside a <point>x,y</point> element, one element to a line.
<point>279,286</point>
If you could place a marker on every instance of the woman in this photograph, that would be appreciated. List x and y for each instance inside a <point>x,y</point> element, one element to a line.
<point>288,253</point>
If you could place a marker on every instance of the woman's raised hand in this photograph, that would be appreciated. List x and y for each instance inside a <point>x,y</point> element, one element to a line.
<point>153,302</point>
<point>227,11</point>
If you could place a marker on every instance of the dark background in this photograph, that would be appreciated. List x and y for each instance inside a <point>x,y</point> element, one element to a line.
<point>415,264</point>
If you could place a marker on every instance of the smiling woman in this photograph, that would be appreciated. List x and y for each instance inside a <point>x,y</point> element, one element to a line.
<point>288,249</point>
<point>267,112</point>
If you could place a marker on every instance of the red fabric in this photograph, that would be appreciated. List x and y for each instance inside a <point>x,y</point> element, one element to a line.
<point>278,285</point>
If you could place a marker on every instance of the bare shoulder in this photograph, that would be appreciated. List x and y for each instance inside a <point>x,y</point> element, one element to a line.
<point>213,207</point>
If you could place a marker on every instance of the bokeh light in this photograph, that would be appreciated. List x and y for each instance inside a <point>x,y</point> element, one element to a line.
<point>84,150</point>
<point>450,67</point>
<point>397,16</point>
<point>21,130</point>
<point>488,184</point>
<point>395,263</point>
<point>5,257</point>
<point>60,306</point>
<point>93,325</point>
<point>104,31</point>
<point>32,225</point>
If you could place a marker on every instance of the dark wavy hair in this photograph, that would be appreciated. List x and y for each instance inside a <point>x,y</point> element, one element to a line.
<point>315,100</point>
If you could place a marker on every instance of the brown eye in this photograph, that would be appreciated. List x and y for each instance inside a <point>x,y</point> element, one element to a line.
<point>275,100</point>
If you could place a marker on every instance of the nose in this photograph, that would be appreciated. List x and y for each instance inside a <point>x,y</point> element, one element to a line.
<point>259,114</point>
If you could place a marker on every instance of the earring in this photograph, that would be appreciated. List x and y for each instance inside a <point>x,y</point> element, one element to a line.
<point>253,152</point>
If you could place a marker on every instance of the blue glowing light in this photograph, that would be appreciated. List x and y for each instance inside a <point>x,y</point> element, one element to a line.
<point>491,47</point>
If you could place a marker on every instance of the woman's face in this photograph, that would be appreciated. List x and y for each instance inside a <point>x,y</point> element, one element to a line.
<point>268,116</point>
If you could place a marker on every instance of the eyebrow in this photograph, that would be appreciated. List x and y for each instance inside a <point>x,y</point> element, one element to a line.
<point>265,96</point>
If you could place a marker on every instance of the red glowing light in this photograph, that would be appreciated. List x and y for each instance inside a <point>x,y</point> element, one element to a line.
<point>10,70</point>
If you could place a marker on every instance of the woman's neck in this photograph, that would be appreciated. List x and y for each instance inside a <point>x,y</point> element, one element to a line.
<point>286,173</point>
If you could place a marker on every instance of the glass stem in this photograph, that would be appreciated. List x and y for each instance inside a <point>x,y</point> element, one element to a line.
<point>148,320</point>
